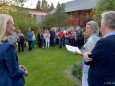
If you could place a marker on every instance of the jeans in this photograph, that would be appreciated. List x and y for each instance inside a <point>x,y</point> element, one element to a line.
<point>60,43</point>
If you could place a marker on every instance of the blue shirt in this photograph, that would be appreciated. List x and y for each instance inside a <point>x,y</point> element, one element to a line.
<point>111,33</point>
<point>29,36</point>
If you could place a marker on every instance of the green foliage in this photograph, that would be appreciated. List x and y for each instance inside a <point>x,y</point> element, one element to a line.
<point>60,16</point>
<point>48,67</point>
<point>12,2</point>
<point>22,20</point>
<point>102,6</point>
<point>51,7</point>
<point>38,6</point>
<point>49,21</point>
<point>77,70</point>
<point>44,6</point>
<point>57,19</point>
<point>58,5</point>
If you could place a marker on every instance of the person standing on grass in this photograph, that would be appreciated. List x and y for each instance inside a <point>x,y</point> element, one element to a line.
<point>52,37</point>
<point>21,40</point>
<point>61,38</point>
<point>92,32</point>
<point>47,39</point>
<point>33,39</point>
<point>11,74</point>
<point>40,38</point>
<point>67,37</point>
<point>29,38</point>
<point>79,37</point>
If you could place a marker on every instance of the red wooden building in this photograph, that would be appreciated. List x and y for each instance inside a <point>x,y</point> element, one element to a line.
<point>79,11</point>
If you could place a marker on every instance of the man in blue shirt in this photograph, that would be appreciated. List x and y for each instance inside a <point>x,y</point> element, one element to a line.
<point>29,38</point>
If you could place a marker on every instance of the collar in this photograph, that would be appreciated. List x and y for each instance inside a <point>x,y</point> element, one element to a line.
<point>110,33</point>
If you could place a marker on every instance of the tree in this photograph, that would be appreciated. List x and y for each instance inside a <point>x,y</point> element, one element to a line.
<point>57,19</point>
<point>60,16</point>
<point>7,6</point>
<point>12,2</point>
<point>58,5</point>
<point>20,15</point>
<point>44,6</point>
<point>51,7</point>
<point>102,6</point>
<point>38,6</point>
<point>49,21</point>
<point>22,20</point>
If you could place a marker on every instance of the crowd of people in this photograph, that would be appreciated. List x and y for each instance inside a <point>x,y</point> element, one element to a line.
<point>98,56</point>
<point>74,36</point>
<point>45,38</point>
<point>18,38</point>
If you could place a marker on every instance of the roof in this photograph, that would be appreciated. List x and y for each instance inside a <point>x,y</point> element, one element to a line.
<point>77,5</point>
<point>53,11</point>
<point>36,12</point>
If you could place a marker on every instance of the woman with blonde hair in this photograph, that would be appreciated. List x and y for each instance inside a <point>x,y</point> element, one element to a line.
<point>92,31</point>
<point>11,74</point>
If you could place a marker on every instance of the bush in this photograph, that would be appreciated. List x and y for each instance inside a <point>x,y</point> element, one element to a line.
<point>77,70</point>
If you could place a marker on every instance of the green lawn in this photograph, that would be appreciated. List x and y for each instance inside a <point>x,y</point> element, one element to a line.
<point>48,67</point>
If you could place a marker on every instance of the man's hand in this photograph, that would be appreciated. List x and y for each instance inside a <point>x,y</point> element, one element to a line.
<point>86,58</point>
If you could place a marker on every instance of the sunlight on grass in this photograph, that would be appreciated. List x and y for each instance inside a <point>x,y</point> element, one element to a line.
<point>47,67</point>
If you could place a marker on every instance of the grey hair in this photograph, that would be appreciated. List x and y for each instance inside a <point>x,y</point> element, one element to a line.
<point>109,18</point>
<point>94,26</point>
<point>78,28</point>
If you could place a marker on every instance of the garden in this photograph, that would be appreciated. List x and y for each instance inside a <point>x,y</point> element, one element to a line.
<point>48,67</point>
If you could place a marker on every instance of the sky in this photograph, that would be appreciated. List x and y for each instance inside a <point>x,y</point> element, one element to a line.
<point>32,3</point>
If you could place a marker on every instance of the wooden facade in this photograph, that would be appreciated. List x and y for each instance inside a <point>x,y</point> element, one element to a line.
<point>79,18</point>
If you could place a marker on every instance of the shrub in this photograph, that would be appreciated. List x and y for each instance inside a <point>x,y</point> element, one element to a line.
<point>77,70</point>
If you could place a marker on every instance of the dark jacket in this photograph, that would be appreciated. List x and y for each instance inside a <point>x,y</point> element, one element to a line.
<point>40,37</point>
<point>102,67</point>
<point>10,73</point>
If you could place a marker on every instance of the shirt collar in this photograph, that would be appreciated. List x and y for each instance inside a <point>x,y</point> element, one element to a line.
<point>111,33</point>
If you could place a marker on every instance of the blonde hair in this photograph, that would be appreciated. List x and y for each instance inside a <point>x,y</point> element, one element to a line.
<point>4,18</point>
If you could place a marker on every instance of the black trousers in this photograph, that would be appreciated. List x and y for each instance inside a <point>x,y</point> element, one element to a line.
<point>21,46</point>
<point>30,45</point>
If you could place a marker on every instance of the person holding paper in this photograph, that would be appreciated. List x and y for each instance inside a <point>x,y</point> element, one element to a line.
<point>91,31</point>
<point>102,65</point>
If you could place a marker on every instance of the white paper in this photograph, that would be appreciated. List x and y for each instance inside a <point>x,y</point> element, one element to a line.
<point>73,49</point>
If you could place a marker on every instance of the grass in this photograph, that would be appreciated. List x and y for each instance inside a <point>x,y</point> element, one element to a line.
<point>47,67</point>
